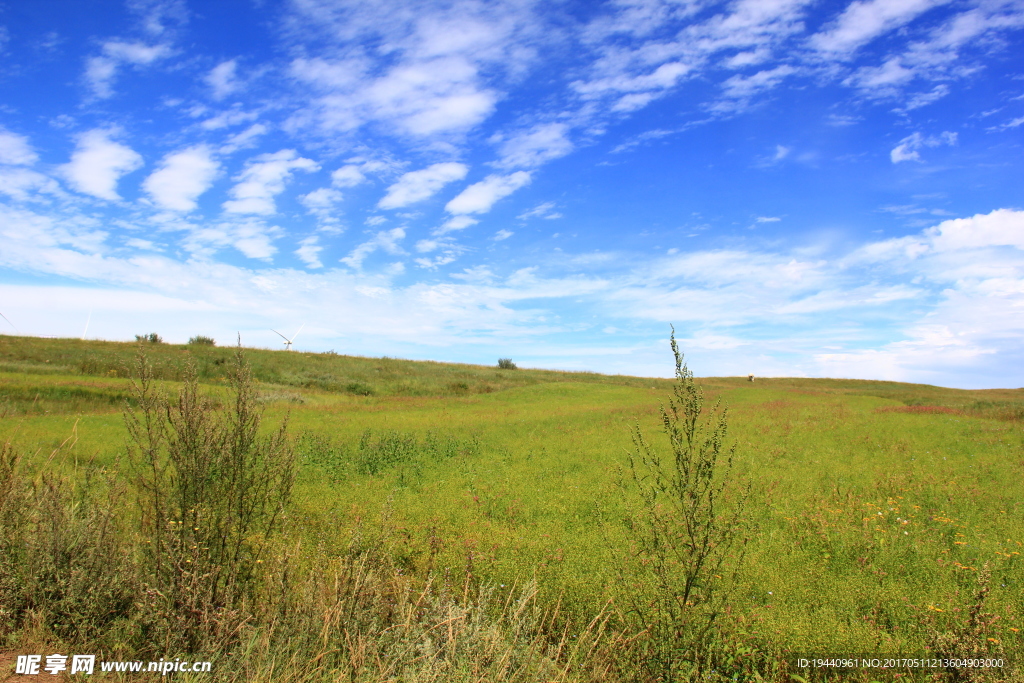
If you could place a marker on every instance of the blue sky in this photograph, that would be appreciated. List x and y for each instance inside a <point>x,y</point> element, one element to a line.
<point>801,188</point>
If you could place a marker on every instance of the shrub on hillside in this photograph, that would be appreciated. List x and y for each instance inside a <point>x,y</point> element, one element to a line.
<point>506,364</point>
<point>151,338</point>
<point>202,340</point>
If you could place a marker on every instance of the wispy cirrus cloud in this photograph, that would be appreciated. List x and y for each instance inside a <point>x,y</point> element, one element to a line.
<point>910,147</point>
<point>417,186</point>
<point>262,179</point>
<point>864,20</point>
<point>480,197</point>
<point>101,71</point>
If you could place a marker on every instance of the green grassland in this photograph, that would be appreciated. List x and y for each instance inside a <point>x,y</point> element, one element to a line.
<point>874,506</point>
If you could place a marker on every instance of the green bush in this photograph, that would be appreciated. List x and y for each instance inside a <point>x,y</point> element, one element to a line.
<point>151,338</point>
<point>506,364</point>
<point>202,340</point>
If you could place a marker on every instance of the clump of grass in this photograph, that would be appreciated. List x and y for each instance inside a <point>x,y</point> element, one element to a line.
<point>360,389</point>
<point>380,451</point>
<point>64,566</point>
<point>151,338</point>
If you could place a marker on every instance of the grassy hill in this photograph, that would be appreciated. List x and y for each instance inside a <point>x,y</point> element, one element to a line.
<point>25,361</point>
<point>883,517</point>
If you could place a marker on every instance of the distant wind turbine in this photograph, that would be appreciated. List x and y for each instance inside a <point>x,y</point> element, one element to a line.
<point>87,321</point>
<point>287,341</point>
<point>16,327</point>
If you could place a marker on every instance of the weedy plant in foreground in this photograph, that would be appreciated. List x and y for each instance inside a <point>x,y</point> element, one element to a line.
<point>687,535</point>
<point>211,491</point>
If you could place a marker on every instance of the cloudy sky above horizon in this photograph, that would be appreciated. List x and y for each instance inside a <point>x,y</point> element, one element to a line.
<point>803,188</point>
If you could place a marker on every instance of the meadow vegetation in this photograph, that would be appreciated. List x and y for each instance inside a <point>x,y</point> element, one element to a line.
<point>297,516</point>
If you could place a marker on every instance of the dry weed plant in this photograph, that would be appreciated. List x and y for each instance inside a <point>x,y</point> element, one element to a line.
<point>211,492</point>
<point>971,639</point>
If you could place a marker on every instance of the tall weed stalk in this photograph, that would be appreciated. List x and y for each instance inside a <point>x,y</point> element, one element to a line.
<point>686,534</point>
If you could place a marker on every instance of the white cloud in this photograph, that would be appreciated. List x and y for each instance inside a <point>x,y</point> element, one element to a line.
<point>777,306</point>
<point>427,246</point>
<point>906,150</point>
<point>431,97</point>
<point>881,81</point>
<point>421,98</point>
<point>748,58</point>
<point>226,119</point>
<point>98,163</point>
<point>247,138</point>
<point>455,223</point>
<point>738,90</point>
<point>252,238</point>
<point>24,185</point>
<point>322,203</point>
<point>182,177</point>
<point>157,14</point>
<point>535,147</point>
<point>544,211</point>
<point>15,150</point>
<point>923,99</point>
<point>263,178</point>
<point>909,147</point>
<point>502,235</point>
<point>647,84</point>
<point>348,176</point>
<point>135,53</point>
<point>1015,123</point>
<point>481,196</point>
<point>416,186</point>
<point>24,234</point>
<point>309,251</point>
<point>436,262</point>
<point>1003,227</point>
<point>147,245</point>
<point>101,71</point>
<point>386,240</point>
<point>223,79</point>
<point>323,198</point>
<point>435,72</point>
<point>865,20</point>
<point>768,219</point>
